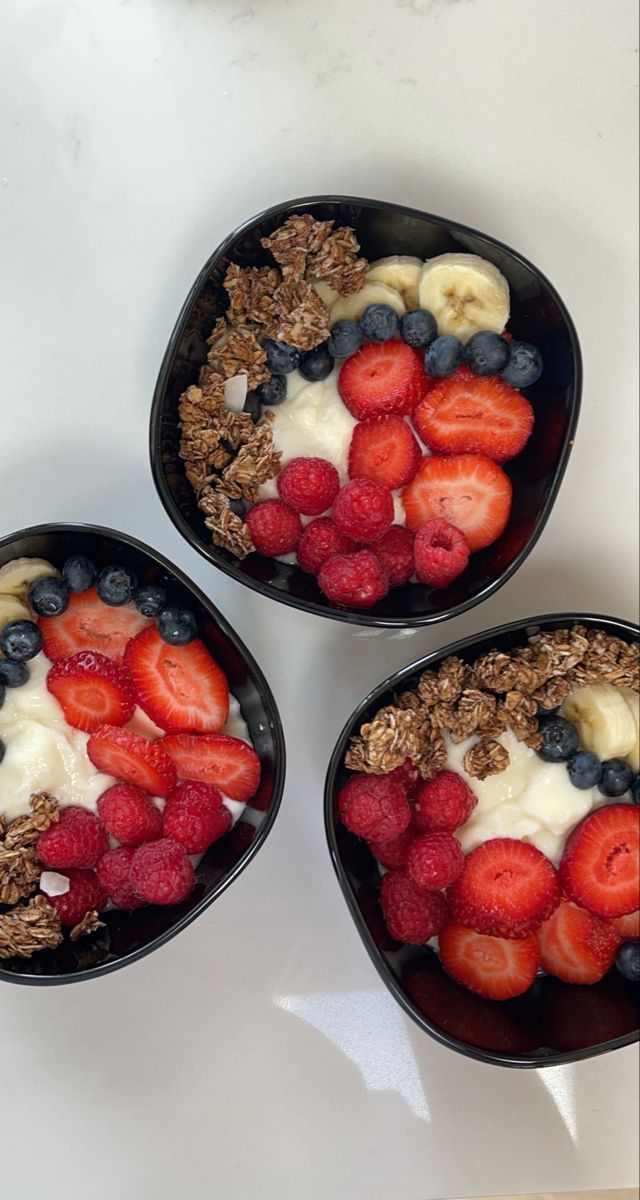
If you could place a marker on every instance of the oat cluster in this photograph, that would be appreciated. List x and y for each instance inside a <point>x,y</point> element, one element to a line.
<point>28,928</point>
<point>19,866</point>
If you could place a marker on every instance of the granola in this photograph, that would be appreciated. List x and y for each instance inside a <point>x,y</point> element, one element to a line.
<point>298,239</point>
<point>19,873</point>
<point>251,296</point>
<point>385,742</point>
<point>89,924</point>
<point>240,352</point>
<point>227,530</point>
<point>28,928</point>
<point>486,757</point>
<point>337,262</point>
<point>303,318</point>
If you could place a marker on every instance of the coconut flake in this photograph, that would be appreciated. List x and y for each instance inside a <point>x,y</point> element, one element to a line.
<point>235,392</point>
<point>53,884</point>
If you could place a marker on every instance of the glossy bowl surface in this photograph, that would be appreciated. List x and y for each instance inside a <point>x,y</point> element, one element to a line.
<point>553,1022</point>
<point>129,936</point>
<point>537,315</point>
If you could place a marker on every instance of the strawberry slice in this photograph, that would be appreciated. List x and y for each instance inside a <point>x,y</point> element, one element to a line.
<point>381,378</point>
<point>600,867</point>
<point>469,490</point>
<point>227,762</point>
<point>384,449</point>
<point>92,690</point>
<point>132,759</point>
<point>493,967</point>
<point>467,414</point>
<point>89,624</point>
<point>180,687</point>
<point>577,946</point>
<point>507,888</point>
<point>628,926</point>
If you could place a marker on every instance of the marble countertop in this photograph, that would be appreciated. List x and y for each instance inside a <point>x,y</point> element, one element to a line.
<point>258,1053</point>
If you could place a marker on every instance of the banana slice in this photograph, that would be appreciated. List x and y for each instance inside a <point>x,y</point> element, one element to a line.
<point>465,293</point>
<point>12,609</point>
<point>401,272</point>
<point>632,700</point>
<point>16,575</point>
<point>327,294</point>
<point>603,719</point>
<point>352,307</point>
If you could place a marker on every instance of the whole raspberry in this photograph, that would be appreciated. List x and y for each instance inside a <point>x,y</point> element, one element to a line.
<point>354,580</point>
<point>410,914</point>
<point>374,807</point>
<point>113,871</point>
<point>363,510</point>
<point>195,816</point>
<point>395,551</point>
<point>393,854</point>
<point>406,775</point>
<point>161,873</point>
<point>310,485</point>
<point>443,803</point>
<point>319,540</point>
<point>441,552</point>
<point>435,860</point>
<point>130,814</point>
<point>77,840</point>
<point>85,894</point>
<point>274,527</point>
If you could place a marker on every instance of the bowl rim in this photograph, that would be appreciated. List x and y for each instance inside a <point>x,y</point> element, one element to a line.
<point>266,589</point>
<point>495,1058</point>
<point>275,721</point>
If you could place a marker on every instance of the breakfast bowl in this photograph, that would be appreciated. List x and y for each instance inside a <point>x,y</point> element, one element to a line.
<point>537,315</point>
<point>550,1020</point>
<point>128,930</point>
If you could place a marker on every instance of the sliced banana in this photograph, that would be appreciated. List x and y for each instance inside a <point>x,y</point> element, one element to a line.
<point>327,294</point>
<point>352,307</point>
<point>465,293</point>
<point>401,272</point>
<point>603,719</point>
<point>16,575</point>
<point>632,700</point>
<point>12,608</point>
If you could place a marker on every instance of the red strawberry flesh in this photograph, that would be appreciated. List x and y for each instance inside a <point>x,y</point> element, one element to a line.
<point>133,759</point>
<point>491,966</point>
<point>92,690</point>
<point>384,449</point>
<point>576,945</point>
<point>180,687</point>
<point>600,864</point>
<point>466,414</point>
<point>382,378</point>
<point>89,624</point>
<point>468,490</point>
<point>226,762</point>
<point>507,888</point>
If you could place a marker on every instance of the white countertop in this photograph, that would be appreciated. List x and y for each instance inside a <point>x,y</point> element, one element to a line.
<point>258,1055</point>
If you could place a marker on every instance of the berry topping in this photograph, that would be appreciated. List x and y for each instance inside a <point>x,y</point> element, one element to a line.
<point>576,945</point>
<point>181,688</point>
<point>354,580</point>
<point>116,585</point>
<point>384,449</point>
<point>177,625</point>
<point>443,803</point>
<point>443,356</point>
<point>435,860</point>
<point>616,777</point>
<point>560,739</point>
<point>584,769</point>
<point>363,510</point>
<point>216,758</point>
<point>379,323</point>
<point>395,551</point>
<point>150,599</point>
<point>113,871</point>
<point>281,358</point>
<point>161,873</point>
<point>79,573</point>
<point>468,415</point>
<point>92,690</point>
<point>491,966</point>
<point>418,328</point>
<point>628,961</point>
<point>411,914</point>
<point>319,540</point>
<point>441,552</point>
<point>393,854</point>
<point>599,868</point>
<point>274,527</point>
<point>309,485</point>
<point>49,596</point>
<point>524,366</point>
<point>316,364</point>
<point>345,338</point>
<point>78,839</point>
<point>469,490</point>
<point>507,888</point>
<point>20,641</point>
<point>88,624</point>
<point>85,894</point>
<point>486,353</point>
<point>382,379</point>
<point>374,807</point>
<point>129,814</point>
<point>272,392</point>
<point>195,816</point>
<point>133,759</point>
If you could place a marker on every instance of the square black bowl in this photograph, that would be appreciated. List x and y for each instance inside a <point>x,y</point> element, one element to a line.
<point>129,936</point>
<point>538,315</point>
<point>553,1022</point>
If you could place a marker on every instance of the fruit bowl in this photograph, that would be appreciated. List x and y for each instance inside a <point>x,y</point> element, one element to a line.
<point>552,1022</point>
<point>538,315</point>
<point>128,936</point>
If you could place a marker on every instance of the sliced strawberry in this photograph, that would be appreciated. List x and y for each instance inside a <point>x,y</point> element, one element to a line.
<point>469,490</point>
<point>89,624</point>
<point>92,690</point>
<point>467,414</point>
<point>628,926</point>
<point>507,888</point>
<point>491,966</point>
<point>382,378</point>
<point>180,687</point>
<point>601,861</point>
<point>132,759</point>
<point>576,945</point>
<point>384,449</point>
<point>227,762</point>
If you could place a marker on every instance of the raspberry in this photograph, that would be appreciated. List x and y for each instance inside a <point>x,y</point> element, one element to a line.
<point>319,540</point>
<point>441,552</point>
<point>113,871</point>
<point>410,914</point>
<point>407,776</point>
<point>310,485</point>
<point>85,894</point>
<point>393,854</point>
<point>443,803</point>
<point>363,510</point>
<point>357,580</point>
<point>274,527</point>
<point>77,840</point>
<point>435,860</point>
<point>395,551</point>
<point>195,816</point>
<point>130,814</point>
<point>374,807</point>
<point>161,873</point>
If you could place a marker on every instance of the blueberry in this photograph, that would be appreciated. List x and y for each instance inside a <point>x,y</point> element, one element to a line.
<point>238,507</point>
<point>486,353</point>
<point>345,338</point>
<point>177,625</point>
<point>316,364</point>
<point>628,961</point>
<point>584,769</point>
<point>281,358</point>
<point>2,750</point>
<point>559,739</point>
<point>13,674</point>
<point>635,789</point>
<point>1,694</point>
<point>252,406</point>
<point>49,596</point>
<point>379,323</point>
<point>150,599</point>
<point>524,366</point>
<point>273,392</point>
<point>617,777</point>
<point>116,585</point>
<point>79,572</point>
<point>418,328</point>
<point>20,640</point>
<point>443,356</point>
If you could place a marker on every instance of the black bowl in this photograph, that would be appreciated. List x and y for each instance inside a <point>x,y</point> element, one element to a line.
<point>553,1022</point>
<point>537,315</point>
<point>129,936</point>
